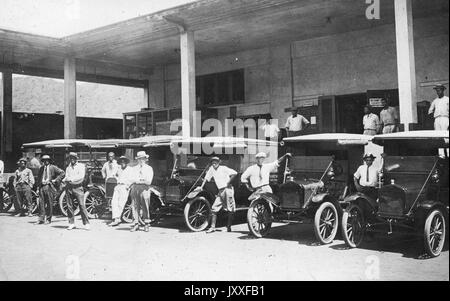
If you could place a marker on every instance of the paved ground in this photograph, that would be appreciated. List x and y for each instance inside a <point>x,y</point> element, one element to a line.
<point>168,252</point>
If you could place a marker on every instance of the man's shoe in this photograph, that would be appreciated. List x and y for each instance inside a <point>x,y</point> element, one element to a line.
<point>39,223</point>
<point>48,222</point>
<point>30,214</point>
<point>18,214</point>
<point>71,227</point>
<point>114,224</point>
<point>228,229</point>
<point>211,230</point>
<point>135,228</point>
<point>146,228</point>
<point>87,227</point>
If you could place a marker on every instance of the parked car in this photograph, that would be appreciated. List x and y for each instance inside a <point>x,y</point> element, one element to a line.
<point>8,195</point>
<point>413,192</point>
<point>316,179</point>
<point>182,170</point>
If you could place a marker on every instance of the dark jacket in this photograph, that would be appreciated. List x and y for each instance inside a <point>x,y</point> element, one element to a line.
<point>55,174</point>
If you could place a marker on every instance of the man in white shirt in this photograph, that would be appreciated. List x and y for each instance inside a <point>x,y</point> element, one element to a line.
<point>120,196</point>
<point>223,176</point>
<point>110,168</point>
<point>366,177</point>
<point>439,109</point>
<point>371,122</point>
<point>257,176</point>
<point>142,179</point>
<point>389,118</point>
<point>74,177</point>
<point>296,123</point>
<point>270,129</point>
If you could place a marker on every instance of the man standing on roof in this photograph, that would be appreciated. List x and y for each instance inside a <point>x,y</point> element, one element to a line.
<point>257,176</point>
<point>389,118</point>
<point>296,123</point>
<point>270,129</point>
<point>121,191</point>
<point>74,178</point>
<point>49,178</point>
<point>371,122</point>
<point>23,183</point>
<point>223,176</point>
<point>439,109</point>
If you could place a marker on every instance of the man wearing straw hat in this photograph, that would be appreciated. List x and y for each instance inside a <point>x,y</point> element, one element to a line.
<point>49,178</point>
<point>142,179</point>
<point>366,177</point>
<point>121,191</point>
<point>223,176</point>
<point>23,183</point>
<point>74,177</point>
<point>439,109</point>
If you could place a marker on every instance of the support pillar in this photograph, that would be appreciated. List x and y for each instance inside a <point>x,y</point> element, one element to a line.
<point>187,52</point>
<point>70,99</point>
<point>6,116</point>
<point>406,68</point>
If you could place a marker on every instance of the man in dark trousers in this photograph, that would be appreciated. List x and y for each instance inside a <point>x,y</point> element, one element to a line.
<point>49,178</point>
<point>23,183</point>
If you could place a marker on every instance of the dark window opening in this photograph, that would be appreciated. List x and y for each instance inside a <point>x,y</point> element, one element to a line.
<point>220,88</point>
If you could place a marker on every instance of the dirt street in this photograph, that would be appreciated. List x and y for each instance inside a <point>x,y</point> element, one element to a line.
<point>169,252</point>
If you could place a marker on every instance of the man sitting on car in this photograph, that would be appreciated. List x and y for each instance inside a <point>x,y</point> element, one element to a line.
<point>120,196</point>
<point>366,177</point>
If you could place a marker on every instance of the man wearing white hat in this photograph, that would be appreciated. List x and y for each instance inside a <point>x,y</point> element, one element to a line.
<point>49,177</point>
<point>142,179</point>
<point>439,109</point>
<point>256,177</point>
<point>74,177</point>
<point>223,176</point>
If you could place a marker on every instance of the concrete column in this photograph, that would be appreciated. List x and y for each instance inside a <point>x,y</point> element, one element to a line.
<point>6,115</point>
<point>406,67</point>
<point>187,52</point>
<point>70,99</point>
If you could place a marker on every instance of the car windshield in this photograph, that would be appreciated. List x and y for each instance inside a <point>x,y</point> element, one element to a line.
<point>196,162</point>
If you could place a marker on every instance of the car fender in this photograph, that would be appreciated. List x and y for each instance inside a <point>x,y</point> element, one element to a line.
<point>357,197</point>
<point>201,193</point>
<point>269,197</point>
<point>321,197</point>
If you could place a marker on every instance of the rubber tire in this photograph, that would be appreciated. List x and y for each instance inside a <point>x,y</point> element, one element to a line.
<point>127,213</point>
<point>426,233</point>
<point>255,232</point>
<point>63,204</point>
<point>9,202</point>
<point>95,212</point>
<point>350,243</point>
<point>188,206</point>
<point>317,216</point>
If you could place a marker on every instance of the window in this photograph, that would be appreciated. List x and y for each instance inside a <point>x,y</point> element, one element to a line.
<point>220,88</point>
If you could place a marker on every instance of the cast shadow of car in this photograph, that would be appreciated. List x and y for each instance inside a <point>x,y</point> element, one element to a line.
<point>409,246</point>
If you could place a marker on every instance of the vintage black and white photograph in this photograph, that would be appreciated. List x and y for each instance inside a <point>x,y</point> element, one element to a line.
<point>224,140</point>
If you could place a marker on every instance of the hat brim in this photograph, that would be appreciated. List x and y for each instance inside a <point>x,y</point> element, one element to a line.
<point>143,157</point>
<point>369,157</point>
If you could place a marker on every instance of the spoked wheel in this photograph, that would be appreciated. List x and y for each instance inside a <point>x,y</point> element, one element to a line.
<point>196,214</point>
<point>259,218</point>
<point>326,223</point>
<point>353,225</point>
<point>95,203</point>
<point>434,233</point>
<point>34,202</point>
<point>127,213</point>
<point>63,205</point>
<point>7,201</point>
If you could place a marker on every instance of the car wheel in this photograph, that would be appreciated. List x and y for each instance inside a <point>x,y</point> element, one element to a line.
<point>326,223</point>
<point>7,201</point>
<point>95,203</point>
<point>259,218</point>
<point>63,205</point>
<point>196,214</point>
<point>353,225</point>
<point>34,202</point>
<point>127,213</point>
<point>434,233</point>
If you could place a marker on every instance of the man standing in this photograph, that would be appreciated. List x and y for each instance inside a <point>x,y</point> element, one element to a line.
<point>223,176</point>
<point>371,122</point>
<point>110,168</point>
<point>439,109</point>
<point>296,123</point>
<point>49,178</point>
<point>120,196</point>
<point>257,176</point>
<point>389,118</point>
<point>142,179</point>
<point>74,178</point>
<point>23,183</point>
<point>366,177</point>
<point>270,130</point>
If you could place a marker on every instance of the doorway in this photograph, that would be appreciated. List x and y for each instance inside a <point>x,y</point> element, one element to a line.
<point>350,112</point>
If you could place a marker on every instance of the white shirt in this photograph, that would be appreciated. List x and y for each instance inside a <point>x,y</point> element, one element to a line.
<point>367,178</point>
<point>371,122</point>
<point>124,176</point>
<point>270,130</point>
<point>259,175</point>
<point>75,173</point>
<point>109,169</point>
<point>440,107</point>
<point>296,123</point>
<point>46,174</point>
<point>2,167</point>
<point>143,173</point>
<point>221,175</point>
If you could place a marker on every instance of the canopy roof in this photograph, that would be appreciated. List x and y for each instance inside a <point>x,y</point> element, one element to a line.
<point>338,138</point>
<point>423,138</point>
